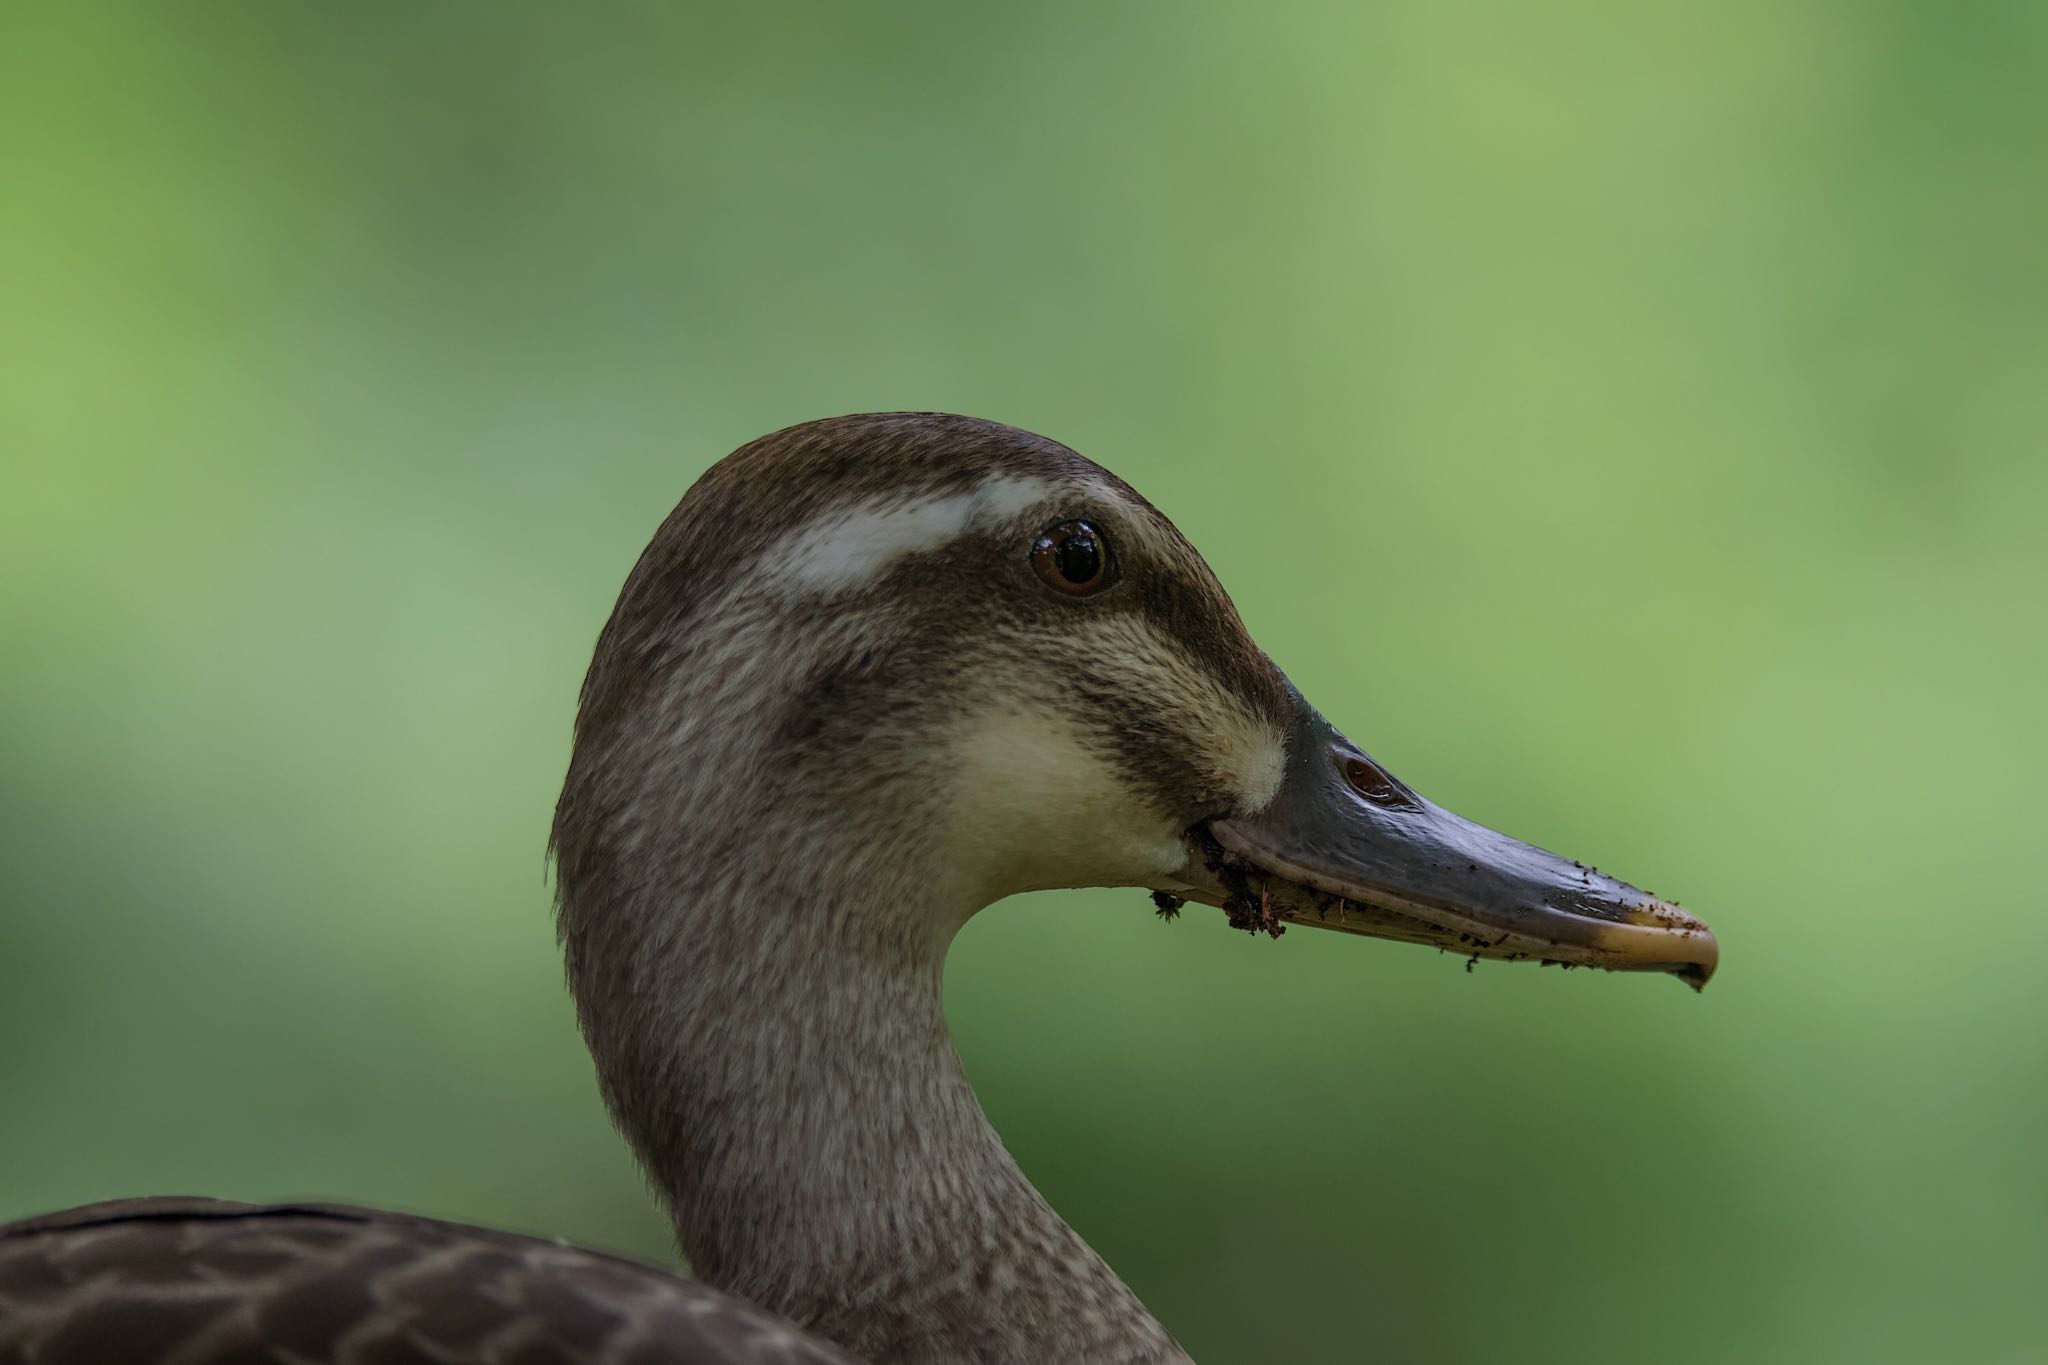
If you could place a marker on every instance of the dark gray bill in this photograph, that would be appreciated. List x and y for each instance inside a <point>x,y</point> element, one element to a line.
<point>1346,846</point>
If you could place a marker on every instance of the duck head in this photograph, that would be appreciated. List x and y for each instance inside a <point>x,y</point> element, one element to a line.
<point>982,656</point>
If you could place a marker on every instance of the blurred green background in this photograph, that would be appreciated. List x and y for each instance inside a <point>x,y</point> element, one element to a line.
<point>1629,420</point>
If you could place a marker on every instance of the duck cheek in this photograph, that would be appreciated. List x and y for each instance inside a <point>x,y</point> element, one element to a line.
<point>1034,806</point>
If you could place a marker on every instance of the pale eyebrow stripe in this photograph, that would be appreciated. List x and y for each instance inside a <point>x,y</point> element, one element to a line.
<point>850,547</point>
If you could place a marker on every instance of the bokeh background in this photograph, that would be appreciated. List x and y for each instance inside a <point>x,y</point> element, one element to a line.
<point>1630,420</point>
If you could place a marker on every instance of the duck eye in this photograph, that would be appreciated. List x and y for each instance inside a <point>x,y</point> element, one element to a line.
<point>1073,557</point>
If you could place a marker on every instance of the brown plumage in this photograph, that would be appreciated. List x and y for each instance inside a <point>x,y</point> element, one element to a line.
<point>847,699</point>
<point>159,1281</point>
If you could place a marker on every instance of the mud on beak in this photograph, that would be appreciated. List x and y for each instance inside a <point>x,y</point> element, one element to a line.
<point>1345,846</point>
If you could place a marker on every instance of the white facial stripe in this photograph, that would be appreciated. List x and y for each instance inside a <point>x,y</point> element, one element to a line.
<point>852,546</point>
<point>1007,495</point>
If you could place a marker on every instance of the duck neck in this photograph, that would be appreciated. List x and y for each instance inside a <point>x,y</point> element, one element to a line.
<point>770,1036</point>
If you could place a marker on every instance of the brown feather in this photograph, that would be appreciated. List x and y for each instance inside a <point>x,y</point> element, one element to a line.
<point>177,1281</point>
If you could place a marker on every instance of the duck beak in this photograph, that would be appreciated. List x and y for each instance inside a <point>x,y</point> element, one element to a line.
<point>1345,846</point>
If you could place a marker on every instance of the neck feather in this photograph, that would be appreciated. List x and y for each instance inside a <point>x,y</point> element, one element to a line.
<point>763,995</point>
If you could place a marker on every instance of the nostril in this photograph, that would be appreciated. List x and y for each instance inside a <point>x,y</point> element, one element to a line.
<point>1372,782</point>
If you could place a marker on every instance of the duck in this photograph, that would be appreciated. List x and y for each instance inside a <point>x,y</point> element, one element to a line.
<point>873,674</point>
